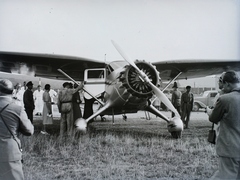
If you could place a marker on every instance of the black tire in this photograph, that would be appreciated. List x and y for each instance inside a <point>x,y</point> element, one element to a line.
<point>176,135</point>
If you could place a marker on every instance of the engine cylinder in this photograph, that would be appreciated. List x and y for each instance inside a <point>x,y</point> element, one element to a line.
<point>135,84</point>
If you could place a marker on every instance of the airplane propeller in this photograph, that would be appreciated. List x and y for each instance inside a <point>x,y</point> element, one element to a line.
<point>175,125</point>
<point>143,76</point>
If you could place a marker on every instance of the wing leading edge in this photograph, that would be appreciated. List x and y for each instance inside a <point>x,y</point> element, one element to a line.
<point>46,65</point>
<point>194,68</point>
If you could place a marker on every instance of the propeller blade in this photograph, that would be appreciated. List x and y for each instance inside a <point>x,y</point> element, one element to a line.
<point>164,99</point>
<point>156,90</point>
<point>125,56</point>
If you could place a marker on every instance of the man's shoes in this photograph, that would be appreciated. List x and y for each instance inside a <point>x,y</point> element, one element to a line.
<point>49,115</point>
<point>45,133</point>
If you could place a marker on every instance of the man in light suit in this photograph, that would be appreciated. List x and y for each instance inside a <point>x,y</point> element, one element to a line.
<point>226,111</point>
<point>13,120</point>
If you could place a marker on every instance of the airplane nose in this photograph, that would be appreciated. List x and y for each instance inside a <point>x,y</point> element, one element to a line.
<point>134,82</point>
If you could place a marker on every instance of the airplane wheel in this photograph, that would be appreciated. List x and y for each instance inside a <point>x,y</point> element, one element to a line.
<point>176,135</point>
<point>124,117</point>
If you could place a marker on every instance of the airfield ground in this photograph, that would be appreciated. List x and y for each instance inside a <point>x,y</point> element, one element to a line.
<point>133,149</point>
<point>138,122</point>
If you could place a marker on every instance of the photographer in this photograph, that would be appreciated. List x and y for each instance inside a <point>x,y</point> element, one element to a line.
<point>13,120</point>
<point>226,111</point>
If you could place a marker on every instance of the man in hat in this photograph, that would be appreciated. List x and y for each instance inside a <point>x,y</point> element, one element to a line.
<point>187,100</point>
<point>226,111</point>
<point>176,99</point>
<point>28,101</point>
<point>13,120</point>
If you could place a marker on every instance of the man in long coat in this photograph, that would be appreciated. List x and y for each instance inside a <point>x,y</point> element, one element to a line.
<point>226,111</point>
<point>29,101</point>
<point>13,120</point>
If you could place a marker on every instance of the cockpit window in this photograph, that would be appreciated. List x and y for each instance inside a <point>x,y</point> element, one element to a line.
<point>95,74</point>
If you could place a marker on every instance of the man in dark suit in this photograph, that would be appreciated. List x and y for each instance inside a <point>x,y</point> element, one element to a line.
<point>29,101</point>
<point>226,111</point>
<point>187,100</point>
<point>13,120</point>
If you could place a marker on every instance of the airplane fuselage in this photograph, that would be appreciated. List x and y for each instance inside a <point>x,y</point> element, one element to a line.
<point>122,100</point>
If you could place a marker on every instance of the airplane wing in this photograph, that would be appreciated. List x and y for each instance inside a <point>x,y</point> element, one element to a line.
<point>194,68</point>
<point>46,65</point>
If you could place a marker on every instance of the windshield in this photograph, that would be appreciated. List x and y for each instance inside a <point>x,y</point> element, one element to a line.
<point>205,94</point>
<point>117,64</point>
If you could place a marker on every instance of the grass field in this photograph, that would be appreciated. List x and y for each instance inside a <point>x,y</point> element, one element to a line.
<point>132,149</point>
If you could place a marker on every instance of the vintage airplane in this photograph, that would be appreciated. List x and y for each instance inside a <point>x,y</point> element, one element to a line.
<point>126,86</point>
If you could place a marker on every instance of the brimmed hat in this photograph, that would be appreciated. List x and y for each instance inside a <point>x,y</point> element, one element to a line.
<point>188,87</point>
<point>175,85</point>
<point>29,83</point>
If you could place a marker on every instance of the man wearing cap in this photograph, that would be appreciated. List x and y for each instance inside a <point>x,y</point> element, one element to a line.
<point>28,101</point>
<point>13,120</point>
<point>176,99</point>
<point>187,100</point>
<point>226,111</point>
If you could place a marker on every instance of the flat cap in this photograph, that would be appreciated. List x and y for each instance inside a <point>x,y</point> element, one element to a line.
<point>175,85</point>
<point>6,86</point>
<point>29,83</point>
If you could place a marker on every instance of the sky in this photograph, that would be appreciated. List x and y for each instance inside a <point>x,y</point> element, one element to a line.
<point>152,30</point>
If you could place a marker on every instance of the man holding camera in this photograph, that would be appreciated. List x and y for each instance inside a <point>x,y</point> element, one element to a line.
<point>226,111</point>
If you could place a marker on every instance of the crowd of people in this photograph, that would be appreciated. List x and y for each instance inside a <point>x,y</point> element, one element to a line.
<point>18,104</point>
<point>39,103</point>
<point>68,105</point>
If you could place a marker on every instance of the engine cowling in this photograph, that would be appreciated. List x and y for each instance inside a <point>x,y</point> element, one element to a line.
<point>134,83</point>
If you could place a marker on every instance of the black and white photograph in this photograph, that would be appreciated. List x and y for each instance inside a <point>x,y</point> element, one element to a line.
<point>117,89</point>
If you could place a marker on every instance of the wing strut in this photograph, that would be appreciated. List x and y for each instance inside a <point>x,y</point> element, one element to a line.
<point>167,85</point>
<point>171,81</point>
